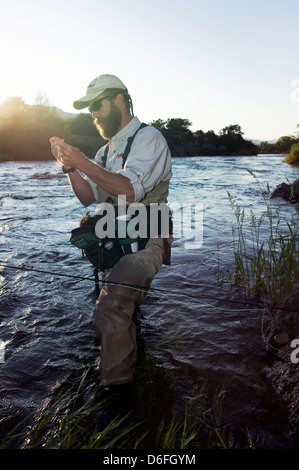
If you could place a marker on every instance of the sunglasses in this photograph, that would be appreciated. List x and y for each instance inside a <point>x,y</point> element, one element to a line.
<point>98,104</point>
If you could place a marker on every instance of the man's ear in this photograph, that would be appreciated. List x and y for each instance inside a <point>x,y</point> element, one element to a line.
<point>119,100</point>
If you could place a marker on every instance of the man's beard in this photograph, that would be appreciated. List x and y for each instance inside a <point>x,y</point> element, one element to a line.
<point>109,125</point>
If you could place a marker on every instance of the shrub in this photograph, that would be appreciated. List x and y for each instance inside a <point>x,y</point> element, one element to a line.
<point>293,157</point>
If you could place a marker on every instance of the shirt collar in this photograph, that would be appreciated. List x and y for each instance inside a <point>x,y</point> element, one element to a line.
<point>126,131</point>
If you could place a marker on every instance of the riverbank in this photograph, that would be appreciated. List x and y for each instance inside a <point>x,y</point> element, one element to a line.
<point>283,352</point>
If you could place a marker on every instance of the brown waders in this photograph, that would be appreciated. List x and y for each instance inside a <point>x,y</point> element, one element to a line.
<point>115,306</point>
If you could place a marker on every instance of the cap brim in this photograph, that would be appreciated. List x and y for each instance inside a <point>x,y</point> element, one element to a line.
<point>85,100</point>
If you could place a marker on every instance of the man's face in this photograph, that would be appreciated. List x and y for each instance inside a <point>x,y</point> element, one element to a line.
<point>107,121</point>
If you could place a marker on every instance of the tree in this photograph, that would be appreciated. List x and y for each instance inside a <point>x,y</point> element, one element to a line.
<point>232,129</point>
<point>284,144</point>
<point>178,135</point>
<point>25,130</point>
<point>160,125</point>
<point>12,109</point>
<point>41,99</point>
<point>82,124</point>
<point>209,144</point>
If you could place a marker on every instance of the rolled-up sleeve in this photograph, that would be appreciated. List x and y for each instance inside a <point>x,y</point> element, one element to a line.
<point>93,185</point>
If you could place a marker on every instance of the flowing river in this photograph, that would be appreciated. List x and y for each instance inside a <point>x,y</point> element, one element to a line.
<point>46,314</point>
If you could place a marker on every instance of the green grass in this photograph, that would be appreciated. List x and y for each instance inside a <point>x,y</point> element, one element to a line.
<point>68,423</point>
<point>266,267</point>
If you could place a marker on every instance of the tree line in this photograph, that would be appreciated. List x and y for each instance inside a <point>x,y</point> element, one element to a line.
<point>183,142</point>
<point>25,131</point>
<point>282,145</point>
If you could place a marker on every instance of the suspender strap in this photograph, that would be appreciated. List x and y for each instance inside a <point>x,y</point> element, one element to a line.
<point>104,159</point>
<point>127,149</point>
<point>129,143</point>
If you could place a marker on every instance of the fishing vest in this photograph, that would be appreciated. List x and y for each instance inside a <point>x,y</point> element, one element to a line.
<point>104,254</point>
<point>158,194</point>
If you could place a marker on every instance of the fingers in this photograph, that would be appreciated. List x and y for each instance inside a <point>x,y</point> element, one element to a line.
<point>63,147</point>
<point>56,139</point>
<point>56,152</point>
<point>65,153</point>
<point>56,143</point>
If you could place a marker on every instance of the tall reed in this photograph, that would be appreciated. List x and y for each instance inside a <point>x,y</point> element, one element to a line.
<point>266,264</point>
<point>69,424</point>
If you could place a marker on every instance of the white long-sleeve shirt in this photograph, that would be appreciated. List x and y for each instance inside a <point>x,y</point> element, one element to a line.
<point>148,163</point>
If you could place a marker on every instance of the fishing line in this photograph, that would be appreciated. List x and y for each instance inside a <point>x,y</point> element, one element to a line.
<point>151,289</point>
<point>138,288</point>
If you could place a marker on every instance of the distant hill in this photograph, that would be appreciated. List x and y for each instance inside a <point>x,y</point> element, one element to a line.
<point>258,142</point>
<point>63,114</point>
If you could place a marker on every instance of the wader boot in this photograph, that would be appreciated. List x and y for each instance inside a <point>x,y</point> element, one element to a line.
<point>116,404</point>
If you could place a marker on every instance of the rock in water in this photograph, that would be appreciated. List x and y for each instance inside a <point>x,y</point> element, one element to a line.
<point>289,192</point>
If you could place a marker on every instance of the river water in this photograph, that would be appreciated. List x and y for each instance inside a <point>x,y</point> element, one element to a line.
<point>46,318</point>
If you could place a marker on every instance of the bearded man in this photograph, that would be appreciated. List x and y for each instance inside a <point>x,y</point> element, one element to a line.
<point>143,178</point>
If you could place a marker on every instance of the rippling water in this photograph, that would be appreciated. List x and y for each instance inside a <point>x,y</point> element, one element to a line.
<point>46,319</point>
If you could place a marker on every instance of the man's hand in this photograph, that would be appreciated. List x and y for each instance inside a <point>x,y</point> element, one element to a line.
<point>55,147</point>
<point>112,182</point>
<point>69,156</point>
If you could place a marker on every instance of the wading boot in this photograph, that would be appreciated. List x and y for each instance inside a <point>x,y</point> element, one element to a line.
<point>116,403</point>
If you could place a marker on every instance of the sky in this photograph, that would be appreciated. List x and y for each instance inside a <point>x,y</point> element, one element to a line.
<point>215,62</point>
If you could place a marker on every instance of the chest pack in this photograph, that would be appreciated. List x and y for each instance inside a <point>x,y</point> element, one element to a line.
<point>104,253</point>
